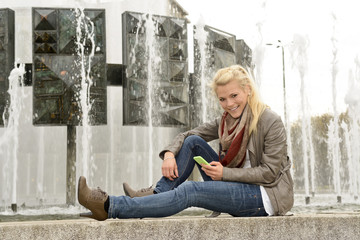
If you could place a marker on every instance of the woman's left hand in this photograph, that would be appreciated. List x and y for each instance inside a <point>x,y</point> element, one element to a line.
<point>214,170</point>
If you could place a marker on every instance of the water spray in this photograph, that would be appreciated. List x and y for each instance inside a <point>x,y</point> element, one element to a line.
<point>85,53</point>
<point>11,118</point>
<point>299,60</point>
<point>333,134</point>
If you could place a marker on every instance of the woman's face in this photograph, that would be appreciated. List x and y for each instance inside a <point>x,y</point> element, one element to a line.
<point>232,98</point>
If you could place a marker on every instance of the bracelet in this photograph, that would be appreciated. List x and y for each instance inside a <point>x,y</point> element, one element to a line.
<point>168,158</point>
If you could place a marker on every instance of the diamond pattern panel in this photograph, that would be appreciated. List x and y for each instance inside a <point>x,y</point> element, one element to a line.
<point>67,32</point>
<point>156,70</point>
<point>45,19</point>
<point>178,50</point>
<point>177,29</point>
<point>223,58</point>
<point>178,71</point>
<point>161,26</point>
<point>243,54</point>
<point>98,18</point>
<point>134,23</point>
<point>56,68</point>
<point>7,29</point>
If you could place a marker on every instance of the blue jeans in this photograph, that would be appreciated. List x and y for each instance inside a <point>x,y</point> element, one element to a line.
<point>235,198</point>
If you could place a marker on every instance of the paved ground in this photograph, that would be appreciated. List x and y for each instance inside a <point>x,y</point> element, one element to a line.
<point>299,226</point>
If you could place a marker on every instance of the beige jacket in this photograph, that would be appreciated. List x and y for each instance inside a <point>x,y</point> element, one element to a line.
<point>270,166</point>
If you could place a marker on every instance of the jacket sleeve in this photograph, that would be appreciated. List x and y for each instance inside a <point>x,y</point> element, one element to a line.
<point>269,162</point>
<point>207,131</point>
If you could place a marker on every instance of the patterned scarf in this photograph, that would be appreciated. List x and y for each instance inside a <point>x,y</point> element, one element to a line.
<point>234,137</point>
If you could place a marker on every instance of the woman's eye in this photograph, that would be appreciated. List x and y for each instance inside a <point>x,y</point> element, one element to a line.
<point>221,99</point>
<point>234,96</point>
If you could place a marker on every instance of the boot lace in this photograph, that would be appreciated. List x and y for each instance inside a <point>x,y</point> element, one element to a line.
<point>146,189</point>
<point>98,194</point>
<point>101,191</point>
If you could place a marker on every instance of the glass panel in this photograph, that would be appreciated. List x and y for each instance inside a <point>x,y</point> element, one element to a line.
<point>2,42</point>
<point>178,50</point>
<point>137,91</point>
<point>136,116</point>
<point>177,28</point>
<point>7,26</point>
<point>160,26</point>
<point>98,71</point>
<point>221,40</point>
<point>168,79</point>
<point>57,73</point>
<point>223,58</point>
<point>2,61</point>
<point>243,54</point>
<point>134,23</point>
<point>45,19</point>
<point>178,72</point>
<point>67,32</point>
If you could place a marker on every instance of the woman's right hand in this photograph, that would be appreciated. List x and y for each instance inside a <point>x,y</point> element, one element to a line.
<point>169,167</point>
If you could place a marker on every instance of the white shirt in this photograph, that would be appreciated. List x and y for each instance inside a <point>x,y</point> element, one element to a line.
<point>265,197</point>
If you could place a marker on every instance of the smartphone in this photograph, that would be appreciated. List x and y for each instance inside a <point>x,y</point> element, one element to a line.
<point>200,160</point>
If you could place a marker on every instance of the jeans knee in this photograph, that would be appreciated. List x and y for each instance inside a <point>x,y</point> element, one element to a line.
<point>193,139</point>
<point>188,191</point>
<point>186,187</point>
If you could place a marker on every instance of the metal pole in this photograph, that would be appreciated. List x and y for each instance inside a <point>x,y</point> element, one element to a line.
<point>71,165</point>
<point>284,88</point>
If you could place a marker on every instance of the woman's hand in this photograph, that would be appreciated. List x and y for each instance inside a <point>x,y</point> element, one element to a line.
<point>169,167</point>
<point>215,171</point>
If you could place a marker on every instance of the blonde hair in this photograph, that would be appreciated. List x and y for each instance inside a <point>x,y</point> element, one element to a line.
<point>239,74</point>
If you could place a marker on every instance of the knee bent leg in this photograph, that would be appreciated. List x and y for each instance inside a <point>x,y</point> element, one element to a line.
<point>193,139</point>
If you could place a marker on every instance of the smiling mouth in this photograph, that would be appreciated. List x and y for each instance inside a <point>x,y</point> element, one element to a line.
<point>233,109</point>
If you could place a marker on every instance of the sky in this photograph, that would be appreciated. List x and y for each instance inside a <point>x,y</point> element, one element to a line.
<point>318,37</point>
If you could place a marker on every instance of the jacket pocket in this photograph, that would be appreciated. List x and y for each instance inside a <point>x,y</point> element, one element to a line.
<point>284,195</point>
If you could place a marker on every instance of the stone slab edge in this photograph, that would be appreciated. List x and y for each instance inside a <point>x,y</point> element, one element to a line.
<point>307,226</point>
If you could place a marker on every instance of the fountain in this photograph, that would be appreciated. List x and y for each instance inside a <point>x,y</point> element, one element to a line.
<point>334,139</point>
<point>259,49</point>
<point>326,145</point>
<point>353,130</point>
<point>155,92</point>
<point>150,106</point>
<point>85,41</point>
<point>201,37</point>
<point>11,117</point>
<point>299,59</point>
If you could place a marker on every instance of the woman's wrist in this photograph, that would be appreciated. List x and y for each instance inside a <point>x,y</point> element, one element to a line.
<point>169,155</point>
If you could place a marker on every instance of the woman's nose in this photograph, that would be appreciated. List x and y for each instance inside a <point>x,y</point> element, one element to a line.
<point>229,102</point>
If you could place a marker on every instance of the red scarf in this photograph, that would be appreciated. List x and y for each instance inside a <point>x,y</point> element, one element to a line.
<point>234,137</point>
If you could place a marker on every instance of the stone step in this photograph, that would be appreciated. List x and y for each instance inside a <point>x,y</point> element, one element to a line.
<point>298,226</point>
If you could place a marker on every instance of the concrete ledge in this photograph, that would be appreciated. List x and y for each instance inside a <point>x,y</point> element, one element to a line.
<point>299,226</point>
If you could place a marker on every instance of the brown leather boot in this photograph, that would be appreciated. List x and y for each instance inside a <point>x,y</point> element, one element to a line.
<point>92,199</point>
<point>140,193</point>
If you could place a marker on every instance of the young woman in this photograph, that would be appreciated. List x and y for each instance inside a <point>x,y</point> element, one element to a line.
<point>250,176</point>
